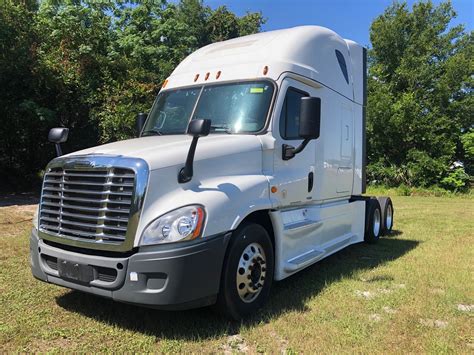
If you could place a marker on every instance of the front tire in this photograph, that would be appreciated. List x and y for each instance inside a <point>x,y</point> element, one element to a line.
<point>247,274</point>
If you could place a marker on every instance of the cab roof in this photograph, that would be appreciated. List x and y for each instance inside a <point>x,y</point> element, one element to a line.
<point>310,51</point>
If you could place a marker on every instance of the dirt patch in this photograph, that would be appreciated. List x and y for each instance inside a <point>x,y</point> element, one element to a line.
<point>365,294</point>
<point>434,323</point>
<point>389,310</point>
<point>437,291</point>
<point>283,343</point>
<point>235,343</point>
<point>465,307</point>
<point>375,317</point>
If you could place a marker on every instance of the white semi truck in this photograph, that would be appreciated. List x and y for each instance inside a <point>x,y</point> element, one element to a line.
<point>249,168</point>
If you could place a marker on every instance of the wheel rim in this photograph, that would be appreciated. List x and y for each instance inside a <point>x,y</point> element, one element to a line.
<point>389,220</point>
<point>376,222</point>
<point>251,272</point>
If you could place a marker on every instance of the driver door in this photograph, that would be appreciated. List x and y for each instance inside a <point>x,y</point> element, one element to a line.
<point>294,178</point>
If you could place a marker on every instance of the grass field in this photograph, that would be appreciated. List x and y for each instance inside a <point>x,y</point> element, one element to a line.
<point>411,292</point>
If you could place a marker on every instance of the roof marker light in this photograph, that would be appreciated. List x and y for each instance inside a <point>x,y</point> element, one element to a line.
<point>218,74</point>
<point>265,70</point>
<point>164,84</point>
<point>196,77</point>
<point>207,76</point>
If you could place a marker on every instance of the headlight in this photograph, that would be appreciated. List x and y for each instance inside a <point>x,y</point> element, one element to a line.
<point>35,218</point>
<point>185,223</point>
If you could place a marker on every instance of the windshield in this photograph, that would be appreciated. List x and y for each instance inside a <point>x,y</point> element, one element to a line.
<point>232,108</point>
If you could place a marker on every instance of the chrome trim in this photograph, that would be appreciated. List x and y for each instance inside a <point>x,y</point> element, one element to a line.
<point>87,162</point>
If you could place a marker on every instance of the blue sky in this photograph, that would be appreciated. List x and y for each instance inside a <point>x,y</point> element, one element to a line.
<point>349,18</point>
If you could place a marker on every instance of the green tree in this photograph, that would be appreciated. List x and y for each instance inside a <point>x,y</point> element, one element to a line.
<point>151,39</point>
<point>420,93</point>
<point>23,113</point>
<point>91,66</point>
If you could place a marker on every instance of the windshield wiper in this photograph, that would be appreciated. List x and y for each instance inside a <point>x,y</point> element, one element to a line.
<point>151,132</point>
<point>221,128</point>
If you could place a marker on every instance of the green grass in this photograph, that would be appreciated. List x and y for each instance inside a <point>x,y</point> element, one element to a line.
<point>400,295</point>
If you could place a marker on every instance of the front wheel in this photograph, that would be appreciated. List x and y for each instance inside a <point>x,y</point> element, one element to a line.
<point>247,273</point>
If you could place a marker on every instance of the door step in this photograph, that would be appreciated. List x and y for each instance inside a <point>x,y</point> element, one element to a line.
<point>314,255</point>
<point>304,260</point>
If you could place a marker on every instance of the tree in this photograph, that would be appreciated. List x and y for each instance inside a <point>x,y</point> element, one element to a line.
<point>151,39</point>
<point>22,112</point>
<point>91,66</point>
<point>420,93</point>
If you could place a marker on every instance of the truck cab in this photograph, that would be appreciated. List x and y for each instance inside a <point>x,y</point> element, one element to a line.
<point>249,167</point>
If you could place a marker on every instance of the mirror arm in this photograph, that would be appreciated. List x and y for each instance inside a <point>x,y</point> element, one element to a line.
<point>59,151</point>
<point>289,152</point>
<point>186,173</point>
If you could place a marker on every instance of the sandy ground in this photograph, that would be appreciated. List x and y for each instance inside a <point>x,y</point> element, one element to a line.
<point>18,208</point>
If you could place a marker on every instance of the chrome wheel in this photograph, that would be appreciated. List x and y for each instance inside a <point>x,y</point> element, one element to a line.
<point>251,272</point>
<point>376,222</point>
<point>389,218</point>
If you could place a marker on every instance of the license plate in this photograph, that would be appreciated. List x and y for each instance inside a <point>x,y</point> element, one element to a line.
<point>75,271</point>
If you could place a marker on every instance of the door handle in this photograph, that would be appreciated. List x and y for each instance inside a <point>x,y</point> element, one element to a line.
<point>310,181</point>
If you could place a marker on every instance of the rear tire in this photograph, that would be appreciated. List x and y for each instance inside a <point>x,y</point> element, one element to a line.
<point>247,274</point>
<point>386,206</point>
<point>373,221</point>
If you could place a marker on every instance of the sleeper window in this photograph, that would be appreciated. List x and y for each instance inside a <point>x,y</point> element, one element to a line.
<point>342,64</point>
<point>290,114</point>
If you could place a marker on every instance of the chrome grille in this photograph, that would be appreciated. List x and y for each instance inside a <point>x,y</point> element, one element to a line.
<point>91,204</point>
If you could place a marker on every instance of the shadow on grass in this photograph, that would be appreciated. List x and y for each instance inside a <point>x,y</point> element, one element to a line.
<point>287,295</point>
<point>11,199</point>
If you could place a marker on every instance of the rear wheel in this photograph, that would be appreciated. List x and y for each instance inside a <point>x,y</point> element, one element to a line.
<point>386,207</point>
<point>373,221</point>
<point>248,272</point>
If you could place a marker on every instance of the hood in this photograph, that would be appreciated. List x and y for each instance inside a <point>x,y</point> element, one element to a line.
<point>165,151</point>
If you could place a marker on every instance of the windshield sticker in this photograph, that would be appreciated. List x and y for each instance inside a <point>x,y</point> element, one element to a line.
<point>256,90</point>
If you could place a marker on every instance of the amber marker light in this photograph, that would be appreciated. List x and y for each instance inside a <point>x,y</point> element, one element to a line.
<point>265,70</point>
<point>207,76</point>
<point>164,84</point>
<point>196,77</point>
<point>218,74</point>
<point>274,189</point>
<point>200,220</point>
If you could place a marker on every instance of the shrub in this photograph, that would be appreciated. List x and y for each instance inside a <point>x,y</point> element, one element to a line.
<point>457,180</point>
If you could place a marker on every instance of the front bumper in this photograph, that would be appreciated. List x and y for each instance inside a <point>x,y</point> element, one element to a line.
<point>178,276</point>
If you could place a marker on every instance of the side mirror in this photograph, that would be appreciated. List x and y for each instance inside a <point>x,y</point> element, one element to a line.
<point>196,128</point>
<point>310,117</point>
<point>141,118</point>
<point>310,125</point>
<point>199,128</point>
<point>58,136</point>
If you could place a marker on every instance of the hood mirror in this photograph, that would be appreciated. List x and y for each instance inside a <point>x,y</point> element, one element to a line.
<point>196,128</point>
<point>141,119</point>
<point>57,136</point>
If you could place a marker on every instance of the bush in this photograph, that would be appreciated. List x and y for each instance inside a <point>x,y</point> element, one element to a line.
<point>457,180</point>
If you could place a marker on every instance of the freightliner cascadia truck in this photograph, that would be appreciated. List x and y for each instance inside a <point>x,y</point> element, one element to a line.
<point>249,167</point>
